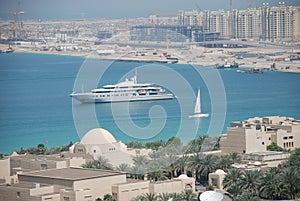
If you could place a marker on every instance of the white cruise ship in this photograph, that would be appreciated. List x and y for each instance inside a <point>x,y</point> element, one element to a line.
<point>128,90</point>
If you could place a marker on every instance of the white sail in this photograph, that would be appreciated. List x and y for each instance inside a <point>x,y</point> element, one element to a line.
<point>197,108</point>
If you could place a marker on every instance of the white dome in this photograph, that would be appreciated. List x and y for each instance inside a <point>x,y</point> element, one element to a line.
<point>98,136</point>
<point>183,176</point>
<point>219,171</point>
<point>211,196</point>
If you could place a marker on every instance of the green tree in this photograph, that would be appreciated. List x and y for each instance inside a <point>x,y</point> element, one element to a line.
<point>140,160</point>
<point>108,197</point>
<point>294,159</point>
<point>181,165</point>
<point>149,197</point>
<point>135,145</point>
<point>224,162</point>
<point>207,165</point>
<point>291,181</point>
<point>176,197</point>
<point>98,199</point>
<point>232,178</point>
<point>100,163</point>
<point>250,181</point>
<point>235,190</point>
<point>41,148</point>
<point>274,147</point>
<point>235,157</point>
<point>123,167</point>
<point>137,198</point>
<point>164,196</point>
<point>188,195</point>
<point>246,196</point>
<point>271,187</point>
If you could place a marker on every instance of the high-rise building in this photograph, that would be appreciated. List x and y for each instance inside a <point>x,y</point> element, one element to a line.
<point>279,23</point>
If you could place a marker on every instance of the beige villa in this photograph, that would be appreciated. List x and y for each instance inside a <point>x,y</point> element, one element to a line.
<point>255,134</point>
<point>80,184</point>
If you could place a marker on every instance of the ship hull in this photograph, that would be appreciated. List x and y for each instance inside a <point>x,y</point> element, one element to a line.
<point>86,98</point>
<point>198,115</point>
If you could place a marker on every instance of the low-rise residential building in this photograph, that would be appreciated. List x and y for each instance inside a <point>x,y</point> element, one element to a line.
<point>255,134</point>
<point>12,165</point>
<point>100,142</point>
<point>81,184</point>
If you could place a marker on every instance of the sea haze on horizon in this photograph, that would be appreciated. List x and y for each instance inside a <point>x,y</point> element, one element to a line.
<point>116,9</point>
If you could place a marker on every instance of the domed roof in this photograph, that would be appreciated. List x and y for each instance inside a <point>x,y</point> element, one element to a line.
<point>183,176</point>
<point>219,171</point>
<point>98,136</point>
<point>211,196</point>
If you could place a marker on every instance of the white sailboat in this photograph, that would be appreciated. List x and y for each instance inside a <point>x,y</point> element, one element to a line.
<point>197,111</point>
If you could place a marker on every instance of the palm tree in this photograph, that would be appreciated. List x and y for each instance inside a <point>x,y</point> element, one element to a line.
<point>88,164</point>
<point>235,157</point>
<point>188,195</point>
<point>224,162</point>
<point>207,165</point>
<point>235,190</point>
<point>137,198</point>
<point>246,196</point>
<point>149,197</point>
<point>181,165</point>
<point>176,197</point>
<point>271,187</point>
<point>250,181</point>
<point>140,160</point>
<point>123,167</point>
<point>291,181</point>
<point>194,165</point>
<point>164,196</point>
<point>232,177</point>
<point>102,163</point>
<point>137,172</point>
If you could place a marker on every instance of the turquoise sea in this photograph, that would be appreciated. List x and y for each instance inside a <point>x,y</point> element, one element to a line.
<point>35,106</point>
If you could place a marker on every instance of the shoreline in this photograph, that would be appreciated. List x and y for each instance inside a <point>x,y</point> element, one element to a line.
<point>204,57</point>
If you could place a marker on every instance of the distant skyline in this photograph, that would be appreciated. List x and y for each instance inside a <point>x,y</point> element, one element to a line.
<point>113,9</point>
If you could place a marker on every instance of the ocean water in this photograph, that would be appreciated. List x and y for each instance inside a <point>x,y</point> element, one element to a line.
<point>35,106</point>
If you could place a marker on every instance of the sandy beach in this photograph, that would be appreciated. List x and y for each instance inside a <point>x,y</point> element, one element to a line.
<point>250,57</point>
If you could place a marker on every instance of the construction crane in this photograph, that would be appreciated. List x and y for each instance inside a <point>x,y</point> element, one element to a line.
<point>16,24</point>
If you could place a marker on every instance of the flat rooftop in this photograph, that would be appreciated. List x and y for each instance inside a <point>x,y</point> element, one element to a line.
<point>72,174</point>
<point>267,153</point>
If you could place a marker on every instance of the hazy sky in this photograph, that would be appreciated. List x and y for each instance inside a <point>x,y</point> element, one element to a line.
<point>78,9</point>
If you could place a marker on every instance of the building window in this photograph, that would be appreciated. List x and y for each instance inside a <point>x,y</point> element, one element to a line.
<point>269,139</point>
<point>44,167</point>
<point>18,194</point>
<point>244,151</point>
<point>290,137</point>
<point>292,144</point>
<point>285,138</point>
<point>95,151</point>
<point>66,199</point>
<point>214,182</point>
<point>263,143</point>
